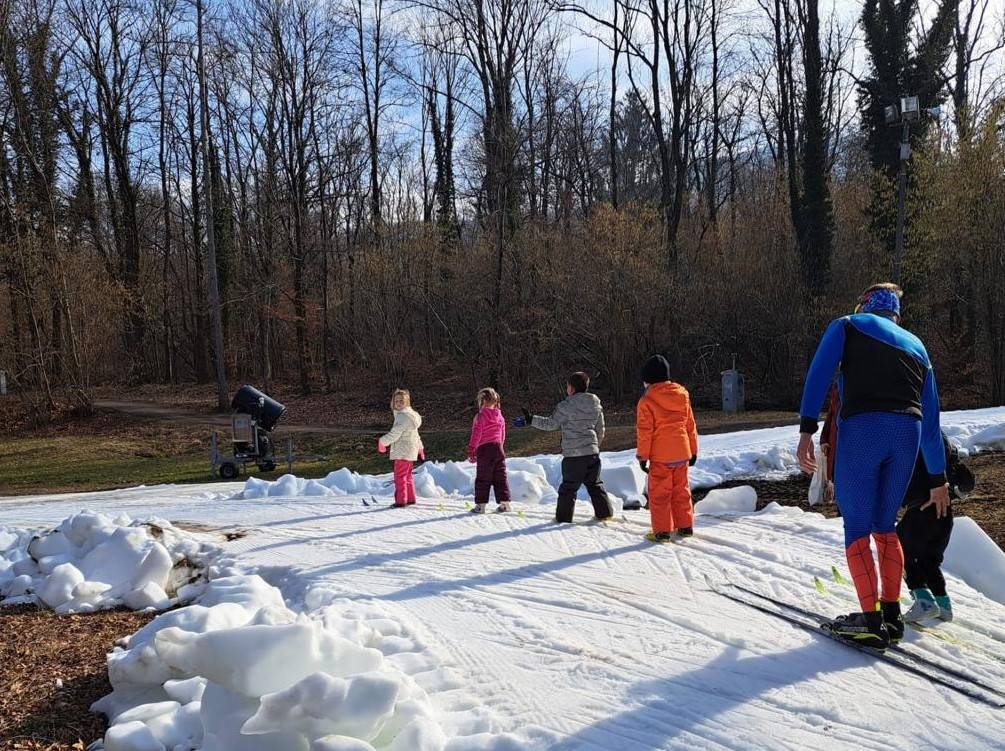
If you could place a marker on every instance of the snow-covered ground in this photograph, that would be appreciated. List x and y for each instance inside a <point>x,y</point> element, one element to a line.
<point>507,632</point>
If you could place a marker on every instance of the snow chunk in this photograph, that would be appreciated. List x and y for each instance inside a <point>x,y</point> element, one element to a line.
<point>250,592</point>
<point>7,540</point>
<point>223,714</point>
<point>742,499</point>
<point>420,735</point>
<point>322,704</point>
<point>340,743</point>
<point>186,691</point>
<point>179,730</point>
<point>132,736</point>
<point>258,660</point>
<point>975,558</point>
<point>59,586</point>
<point>149,595</point>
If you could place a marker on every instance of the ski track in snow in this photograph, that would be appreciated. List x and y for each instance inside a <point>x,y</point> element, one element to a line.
<point>591,633</point>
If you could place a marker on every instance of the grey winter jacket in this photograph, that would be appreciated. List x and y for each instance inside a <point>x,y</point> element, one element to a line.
<point>581,420</point>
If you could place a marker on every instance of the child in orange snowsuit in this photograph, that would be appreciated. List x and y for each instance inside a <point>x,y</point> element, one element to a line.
<point>667,444</point>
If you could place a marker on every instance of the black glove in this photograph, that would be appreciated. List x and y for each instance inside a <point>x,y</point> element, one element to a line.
<point>644,464</point>
<point>693,461</point>
<point>527,417</point>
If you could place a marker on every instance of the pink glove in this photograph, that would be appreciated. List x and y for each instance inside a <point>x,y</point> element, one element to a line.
<point>422,455</point>
<point>381,447</point>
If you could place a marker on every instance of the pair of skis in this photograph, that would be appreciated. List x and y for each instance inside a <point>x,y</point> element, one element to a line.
<point>898,655</point>
<point>935,633</point>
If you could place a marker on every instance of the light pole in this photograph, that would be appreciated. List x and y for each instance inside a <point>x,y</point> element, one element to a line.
<point>909,111</point>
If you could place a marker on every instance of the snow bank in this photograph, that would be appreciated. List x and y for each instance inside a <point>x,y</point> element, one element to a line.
<point>92,562</point>
<point>768,453</point>
<point>975,558</point>
<point>532,480</point>
<point>238,670</point>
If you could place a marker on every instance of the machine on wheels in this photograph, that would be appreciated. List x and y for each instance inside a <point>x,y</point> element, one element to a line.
<point>255,417</point>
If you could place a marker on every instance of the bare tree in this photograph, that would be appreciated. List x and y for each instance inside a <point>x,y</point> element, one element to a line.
<point>977,73</point>
<point>213,284</point>
<point>373,60</point>
<point>108,42</point>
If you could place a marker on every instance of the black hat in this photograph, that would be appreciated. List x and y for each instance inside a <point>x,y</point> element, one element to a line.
<point>656,370</point>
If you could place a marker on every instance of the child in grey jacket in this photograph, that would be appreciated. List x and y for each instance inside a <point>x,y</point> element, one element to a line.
<point>580,417</point>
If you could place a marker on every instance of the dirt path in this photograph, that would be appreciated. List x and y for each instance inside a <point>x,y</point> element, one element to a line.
<point>161,413</point>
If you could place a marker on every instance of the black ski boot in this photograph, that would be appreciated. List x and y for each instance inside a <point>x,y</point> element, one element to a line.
<point>893,620</point>
<point>685,532</point>
<point>866,629</point>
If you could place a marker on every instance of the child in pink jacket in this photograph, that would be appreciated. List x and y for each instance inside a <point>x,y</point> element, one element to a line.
<point>488,434</point>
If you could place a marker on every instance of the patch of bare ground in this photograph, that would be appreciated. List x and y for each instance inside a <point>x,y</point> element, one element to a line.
<point>52,668</point>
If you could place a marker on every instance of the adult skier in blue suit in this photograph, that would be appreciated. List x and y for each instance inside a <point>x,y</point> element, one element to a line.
<point>889,408</point>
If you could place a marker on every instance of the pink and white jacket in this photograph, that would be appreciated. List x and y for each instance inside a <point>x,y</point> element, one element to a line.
<point>489,426</point>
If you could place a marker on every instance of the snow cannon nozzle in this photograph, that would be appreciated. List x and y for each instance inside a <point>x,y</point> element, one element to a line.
<point>265,410</point>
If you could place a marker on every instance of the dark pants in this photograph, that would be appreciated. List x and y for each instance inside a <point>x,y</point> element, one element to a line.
<point>576,471</point>
<point>924,538</point>
<point>491,473</point>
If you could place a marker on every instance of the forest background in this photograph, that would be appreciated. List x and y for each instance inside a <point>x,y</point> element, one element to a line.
<point>383,192</point>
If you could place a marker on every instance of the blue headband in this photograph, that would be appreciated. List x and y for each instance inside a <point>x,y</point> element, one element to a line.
<point>881,300</point>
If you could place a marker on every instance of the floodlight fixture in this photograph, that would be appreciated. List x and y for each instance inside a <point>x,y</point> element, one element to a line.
<point>910,108</point>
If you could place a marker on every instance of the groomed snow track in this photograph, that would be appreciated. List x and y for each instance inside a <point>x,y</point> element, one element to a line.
<point>588,637</point>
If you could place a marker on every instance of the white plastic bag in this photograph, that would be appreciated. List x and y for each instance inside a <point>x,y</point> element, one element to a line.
<point>818,485</point>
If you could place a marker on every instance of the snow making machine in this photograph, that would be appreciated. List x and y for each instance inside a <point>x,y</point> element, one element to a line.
<point>255,416</point>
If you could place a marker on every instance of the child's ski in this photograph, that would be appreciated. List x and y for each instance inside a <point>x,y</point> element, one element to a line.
<point>911,662</point>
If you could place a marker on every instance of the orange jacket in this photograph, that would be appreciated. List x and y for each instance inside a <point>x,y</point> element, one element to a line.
<point>664,427</point>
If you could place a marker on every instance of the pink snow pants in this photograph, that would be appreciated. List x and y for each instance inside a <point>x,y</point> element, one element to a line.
<point>404,485</point>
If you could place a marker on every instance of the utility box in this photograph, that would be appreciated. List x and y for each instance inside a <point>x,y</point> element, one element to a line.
<point>3,383</point>
<point>733,396</point>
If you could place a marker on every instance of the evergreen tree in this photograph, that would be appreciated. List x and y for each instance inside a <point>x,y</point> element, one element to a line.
<point>814,219</point>
<point>902,63</point>
<point>635,149</point>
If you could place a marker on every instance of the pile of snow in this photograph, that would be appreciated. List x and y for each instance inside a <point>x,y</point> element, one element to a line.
<point>976,430</point>
<point>725,500</point>
<point>532,480</point>
<point>92,562</point>
<point>239,670</point>
<point>767,453</point>
<point>976,559</point>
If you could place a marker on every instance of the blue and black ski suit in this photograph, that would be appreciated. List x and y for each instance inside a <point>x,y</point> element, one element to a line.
<point>889,406</point>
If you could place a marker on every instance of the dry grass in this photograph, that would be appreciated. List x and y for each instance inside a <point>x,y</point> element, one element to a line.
<point>39,648</point>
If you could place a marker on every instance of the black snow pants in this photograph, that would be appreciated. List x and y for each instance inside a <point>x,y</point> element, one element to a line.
<point>576,471</point>
<point>925,538</point>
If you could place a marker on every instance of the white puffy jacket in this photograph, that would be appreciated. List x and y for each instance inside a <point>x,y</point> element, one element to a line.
<point>403,439</point>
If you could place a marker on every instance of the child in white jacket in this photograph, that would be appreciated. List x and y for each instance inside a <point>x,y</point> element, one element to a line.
<point>405,446</point>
